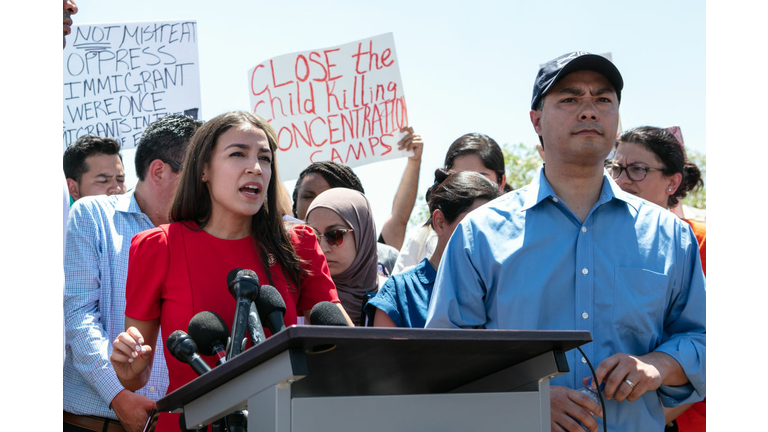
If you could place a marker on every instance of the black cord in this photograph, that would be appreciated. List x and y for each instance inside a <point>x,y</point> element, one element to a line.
<point>599,391</point>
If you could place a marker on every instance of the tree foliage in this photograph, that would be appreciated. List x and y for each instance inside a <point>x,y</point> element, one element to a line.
<point>522,163</point>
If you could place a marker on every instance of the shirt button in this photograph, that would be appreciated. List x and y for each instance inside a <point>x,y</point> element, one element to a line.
<point>152,389</point>
<point>584,271</point>
<point>555,199</point>
<point>585,315</point>
<point>583,360</point>
<point>583,229</point>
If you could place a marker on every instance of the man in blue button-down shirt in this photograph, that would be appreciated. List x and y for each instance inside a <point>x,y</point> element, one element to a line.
<point>99,233</point>
<point>572,251</point>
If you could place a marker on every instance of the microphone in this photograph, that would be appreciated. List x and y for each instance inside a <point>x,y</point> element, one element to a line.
<point>255,330</point>
<point>327,313</point>
<point>210,333</point>
<point>271,305</point>
<point>184,349</point>
<point>244,287</point>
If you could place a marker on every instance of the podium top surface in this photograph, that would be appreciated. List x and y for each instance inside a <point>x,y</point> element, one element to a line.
<point>345,361</point>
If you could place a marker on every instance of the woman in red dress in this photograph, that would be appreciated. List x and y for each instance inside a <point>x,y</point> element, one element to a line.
<point>225,218</point>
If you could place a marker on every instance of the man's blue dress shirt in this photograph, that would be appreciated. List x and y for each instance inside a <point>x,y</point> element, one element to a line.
<point>99,233</point>
<point>630,274</point>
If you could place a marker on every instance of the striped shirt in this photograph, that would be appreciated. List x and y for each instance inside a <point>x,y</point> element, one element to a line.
<point>98,239</point>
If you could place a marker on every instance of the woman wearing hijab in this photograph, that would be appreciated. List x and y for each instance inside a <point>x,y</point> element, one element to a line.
<point>343,222</point>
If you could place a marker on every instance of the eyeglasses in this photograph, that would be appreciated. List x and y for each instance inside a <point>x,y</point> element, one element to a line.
<point>175,165</point>
<point>334,238</point>
<point>634,172</point>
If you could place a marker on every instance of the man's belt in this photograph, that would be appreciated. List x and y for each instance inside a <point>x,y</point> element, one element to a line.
<point>93,423</point>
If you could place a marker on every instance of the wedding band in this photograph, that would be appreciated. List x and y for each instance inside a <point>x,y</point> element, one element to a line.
<point>629,383</point>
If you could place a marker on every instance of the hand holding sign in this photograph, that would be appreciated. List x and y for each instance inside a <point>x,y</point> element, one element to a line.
<point>412,143</point>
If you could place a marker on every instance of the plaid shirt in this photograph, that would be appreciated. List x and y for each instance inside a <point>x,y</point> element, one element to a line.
<point>98,240</point>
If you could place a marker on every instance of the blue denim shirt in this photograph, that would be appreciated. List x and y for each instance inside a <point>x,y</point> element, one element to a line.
<point>630,274</point>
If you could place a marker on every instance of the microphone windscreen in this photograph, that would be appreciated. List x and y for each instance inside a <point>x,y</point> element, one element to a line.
<point>241,275</point>
<point>231,275</point>
<point>248,273</point>
<point>269,300</point>
<point>327,313</point>
<point>208,329</point>
<point>174,339</point>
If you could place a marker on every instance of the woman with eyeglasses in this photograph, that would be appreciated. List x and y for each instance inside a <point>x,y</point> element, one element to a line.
<point>343,222</point>
<point>404,299</point>
<point>651,163</point>
<point>224,217</point>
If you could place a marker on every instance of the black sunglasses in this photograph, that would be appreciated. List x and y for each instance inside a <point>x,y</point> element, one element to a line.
<point>334,238</point>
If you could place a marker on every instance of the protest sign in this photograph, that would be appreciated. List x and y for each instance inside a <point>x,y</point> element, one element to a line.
<point>119,78</point>
<point>344,103</point>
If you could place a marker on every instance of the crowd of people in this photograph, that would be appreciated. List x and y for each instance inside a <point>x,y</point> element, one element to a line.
<point>589,244</point>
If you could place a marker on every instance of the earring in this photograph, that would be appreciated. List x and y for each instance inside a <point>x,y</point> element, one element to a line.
<point>203,178</point>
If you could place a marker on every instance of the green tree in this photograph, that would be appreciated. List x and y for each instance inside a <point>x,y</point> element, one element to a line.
<point>522,163</point>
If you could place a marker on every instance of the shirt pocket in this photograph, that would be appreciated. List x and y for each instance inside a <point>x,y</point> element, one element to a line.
<point>639,300</point>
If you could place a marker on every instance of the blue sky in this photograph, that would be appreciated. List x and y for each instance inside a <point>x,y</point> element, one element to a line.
<point>464,68</point>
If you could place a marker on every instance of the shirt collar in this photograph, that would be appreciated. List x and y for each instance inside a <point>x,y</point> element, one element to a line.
<point>426,273</point>
<point>126,203</point>
<point>539,189</point>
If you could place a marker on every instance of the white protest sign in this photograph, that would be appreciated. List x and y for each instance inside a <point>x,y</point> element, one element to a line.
<point>344,103</point>
<point>119,78</point>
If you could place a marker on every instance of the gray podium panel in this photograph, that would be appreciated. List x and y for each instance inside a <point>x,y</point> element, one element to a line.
<point>315,378</point>
<point>437,412</point>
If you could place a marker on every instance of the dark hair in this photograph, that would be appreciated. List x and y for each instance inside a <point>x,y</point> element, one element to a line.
<point>165,139</point>
<point>192,201</point>
<point>453,193</point>
<point>481,145</point>
<point>670,152</point>
<point>336,174</point>
<point>80,150</point>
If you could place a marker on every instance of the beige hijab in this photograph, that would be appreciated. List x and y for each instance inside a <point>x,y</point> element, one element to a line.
<point>362,275</point>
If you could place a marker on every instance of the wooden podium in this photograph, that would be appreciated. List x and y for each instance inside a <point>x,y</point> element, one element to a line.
<point>318,378</point>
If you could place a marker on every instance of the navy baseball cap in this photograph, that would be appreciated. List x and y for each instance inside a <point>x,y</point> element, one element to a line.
<point>557,68</point>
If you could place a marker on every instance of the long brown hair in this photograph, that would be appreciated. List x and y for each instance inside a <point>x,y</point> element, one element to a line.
<point>192,201</point>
